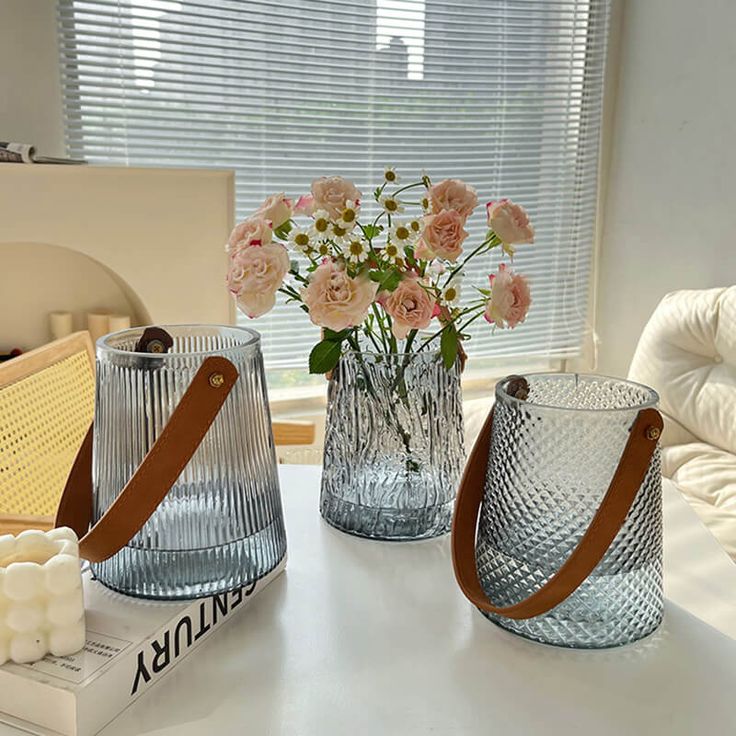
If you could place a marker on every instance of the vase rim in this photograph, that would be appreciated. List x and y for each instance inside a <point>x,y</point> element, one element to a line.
<point>651,401</point>
<point>250,338</point>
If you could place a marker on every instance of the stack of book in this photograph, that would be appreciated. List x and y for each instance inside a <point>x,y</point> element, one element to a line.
<point>130,647</point>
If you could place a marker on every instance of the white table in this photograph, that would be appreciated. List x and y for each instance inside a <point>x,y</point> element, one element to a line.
<point>370,638</point>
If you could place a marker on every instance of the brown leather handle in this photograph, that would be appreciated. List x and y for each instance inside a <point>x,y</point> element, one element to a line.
<point>606,523</point>
<point>159,470</point>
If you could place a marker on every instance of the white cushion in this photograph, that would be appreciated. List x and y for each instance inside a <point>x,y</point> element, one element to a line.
<point>687,352</point>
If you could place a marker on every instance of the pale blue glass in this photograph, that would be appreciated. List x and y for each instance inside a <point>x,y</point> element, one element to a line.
<point>552,458</point>
<point>393,445</point>
<point>221,525</point>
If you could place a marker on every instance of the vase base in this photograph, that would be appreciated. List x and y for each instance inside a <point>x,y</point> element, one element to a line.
<point>196,573</point>
<point>386,524</point>
<point>591,642</point>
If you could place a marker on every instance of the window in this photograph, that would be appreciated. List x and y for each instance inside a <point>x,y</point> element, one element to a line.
<point>505,94</point>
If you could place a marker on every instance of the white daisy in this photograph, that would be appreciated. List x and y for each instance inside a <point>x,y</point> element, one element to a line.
<point>392,252</point>
<point>321,225</point>
<point>349,217</point>
<point>401,233</point>
<point>323,248</point>
<point>391,205</point>
<point>390,175</point>
<point>357,250</point>
<point>416,226</point>
<point>301,239</point>
<point>338,234</point>
<point>450,296</point>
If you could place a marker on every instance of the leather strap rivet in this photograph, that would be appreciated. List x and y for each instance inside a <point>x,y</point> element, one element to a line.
<point>653,433</point>
<point>156,346</point>
<point>216,380</point>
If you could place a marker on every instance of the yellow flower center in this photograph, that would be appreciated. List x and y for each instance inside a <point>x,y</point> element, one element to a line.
<point>450,294</point>
<point>402,233</point>
<point>391,205</point>
<point>348,215</point>
<point>301,239</point>
<point>390,176</point>
<point>356,248</point>
<point>339,232</point>
<point>425,203</point>
<point>321,225</point>
<point>324,249</point>
<point>415,225</point>
<point>391,250</point>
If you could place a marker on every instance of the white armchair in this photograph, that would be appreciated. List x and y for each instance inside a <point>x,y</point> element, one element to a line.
<point>687,352</point>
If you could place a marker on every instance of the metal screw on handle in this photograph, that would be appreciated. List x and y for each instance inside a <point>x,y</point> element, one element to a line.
<point>216,380</point>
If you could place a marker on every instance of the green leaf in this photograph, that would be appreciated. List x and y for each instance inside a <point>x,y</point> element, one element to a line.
<point>333,336</point>
<point>448,346</point>
<point>371,231</point>
<point>324,356</point>
<point>282,231</point>
<point>387,280</point>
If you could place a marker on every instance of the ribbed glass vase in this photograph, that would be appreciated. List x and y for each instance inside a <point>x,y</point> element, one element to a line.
<point>393,445</point>
<point>552,458</point>
<point>221,525</point>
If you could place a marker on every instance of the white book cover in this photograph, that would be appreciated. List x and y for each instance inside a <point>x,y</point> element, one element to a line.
<point>131,644</point>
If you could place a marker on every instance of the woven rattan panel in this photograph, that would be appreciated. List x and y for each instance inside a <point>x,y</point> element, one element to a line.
<point>43,419</point>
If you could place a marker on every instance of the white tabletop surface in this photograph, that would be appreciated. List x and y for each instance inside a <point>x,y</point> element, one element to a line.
<point>367,638</point>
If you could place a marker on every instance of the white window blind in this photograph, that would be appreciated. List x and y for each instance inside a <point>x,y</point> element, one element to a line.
<point>505,94</point>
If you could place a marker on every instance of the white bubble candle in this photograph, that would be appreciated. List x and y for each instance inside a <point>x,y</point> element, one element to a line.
<point>41,603</point>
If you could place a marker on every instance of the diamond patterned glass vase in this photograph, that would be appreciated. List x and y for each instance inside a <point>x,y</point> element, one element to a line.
<point>551,460</point>
<point>393,446</point>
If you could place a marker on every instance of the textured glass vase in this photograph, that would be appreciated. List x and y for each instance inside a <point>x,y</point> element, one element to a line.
<point>221,525</point>
<point>393,446</point>
<point>552,458</point>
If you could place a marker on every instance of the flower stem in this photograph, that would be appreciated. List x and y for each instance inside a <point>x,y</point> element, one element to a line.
<point>380,326</point>
<point>470,321</point>
<point>451,322</point>
<point>408,186</point>
<point>487,242</point>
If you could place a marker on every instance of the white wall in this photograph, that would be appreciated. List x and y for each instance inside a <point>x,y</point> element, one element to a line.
<point>670,197</point>
<point>30,90</point>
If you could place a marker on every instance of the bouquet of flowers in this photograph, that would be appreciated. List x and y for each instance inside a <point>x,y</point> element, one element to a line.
<point>379,283</point>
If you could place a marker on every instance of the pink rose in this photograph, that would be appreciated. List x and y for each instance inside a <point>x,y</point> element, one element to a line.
<point>304,205</point>
<point>411,307</point>
<point>332,192</point>
<point>442,236</point>
<point>255,275</point>
<point>510,222</point>
<point>253,231</point>
<point>276,209</point>
<point>336,300</point>
<point>510,298</point>
<point>453,194</point>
